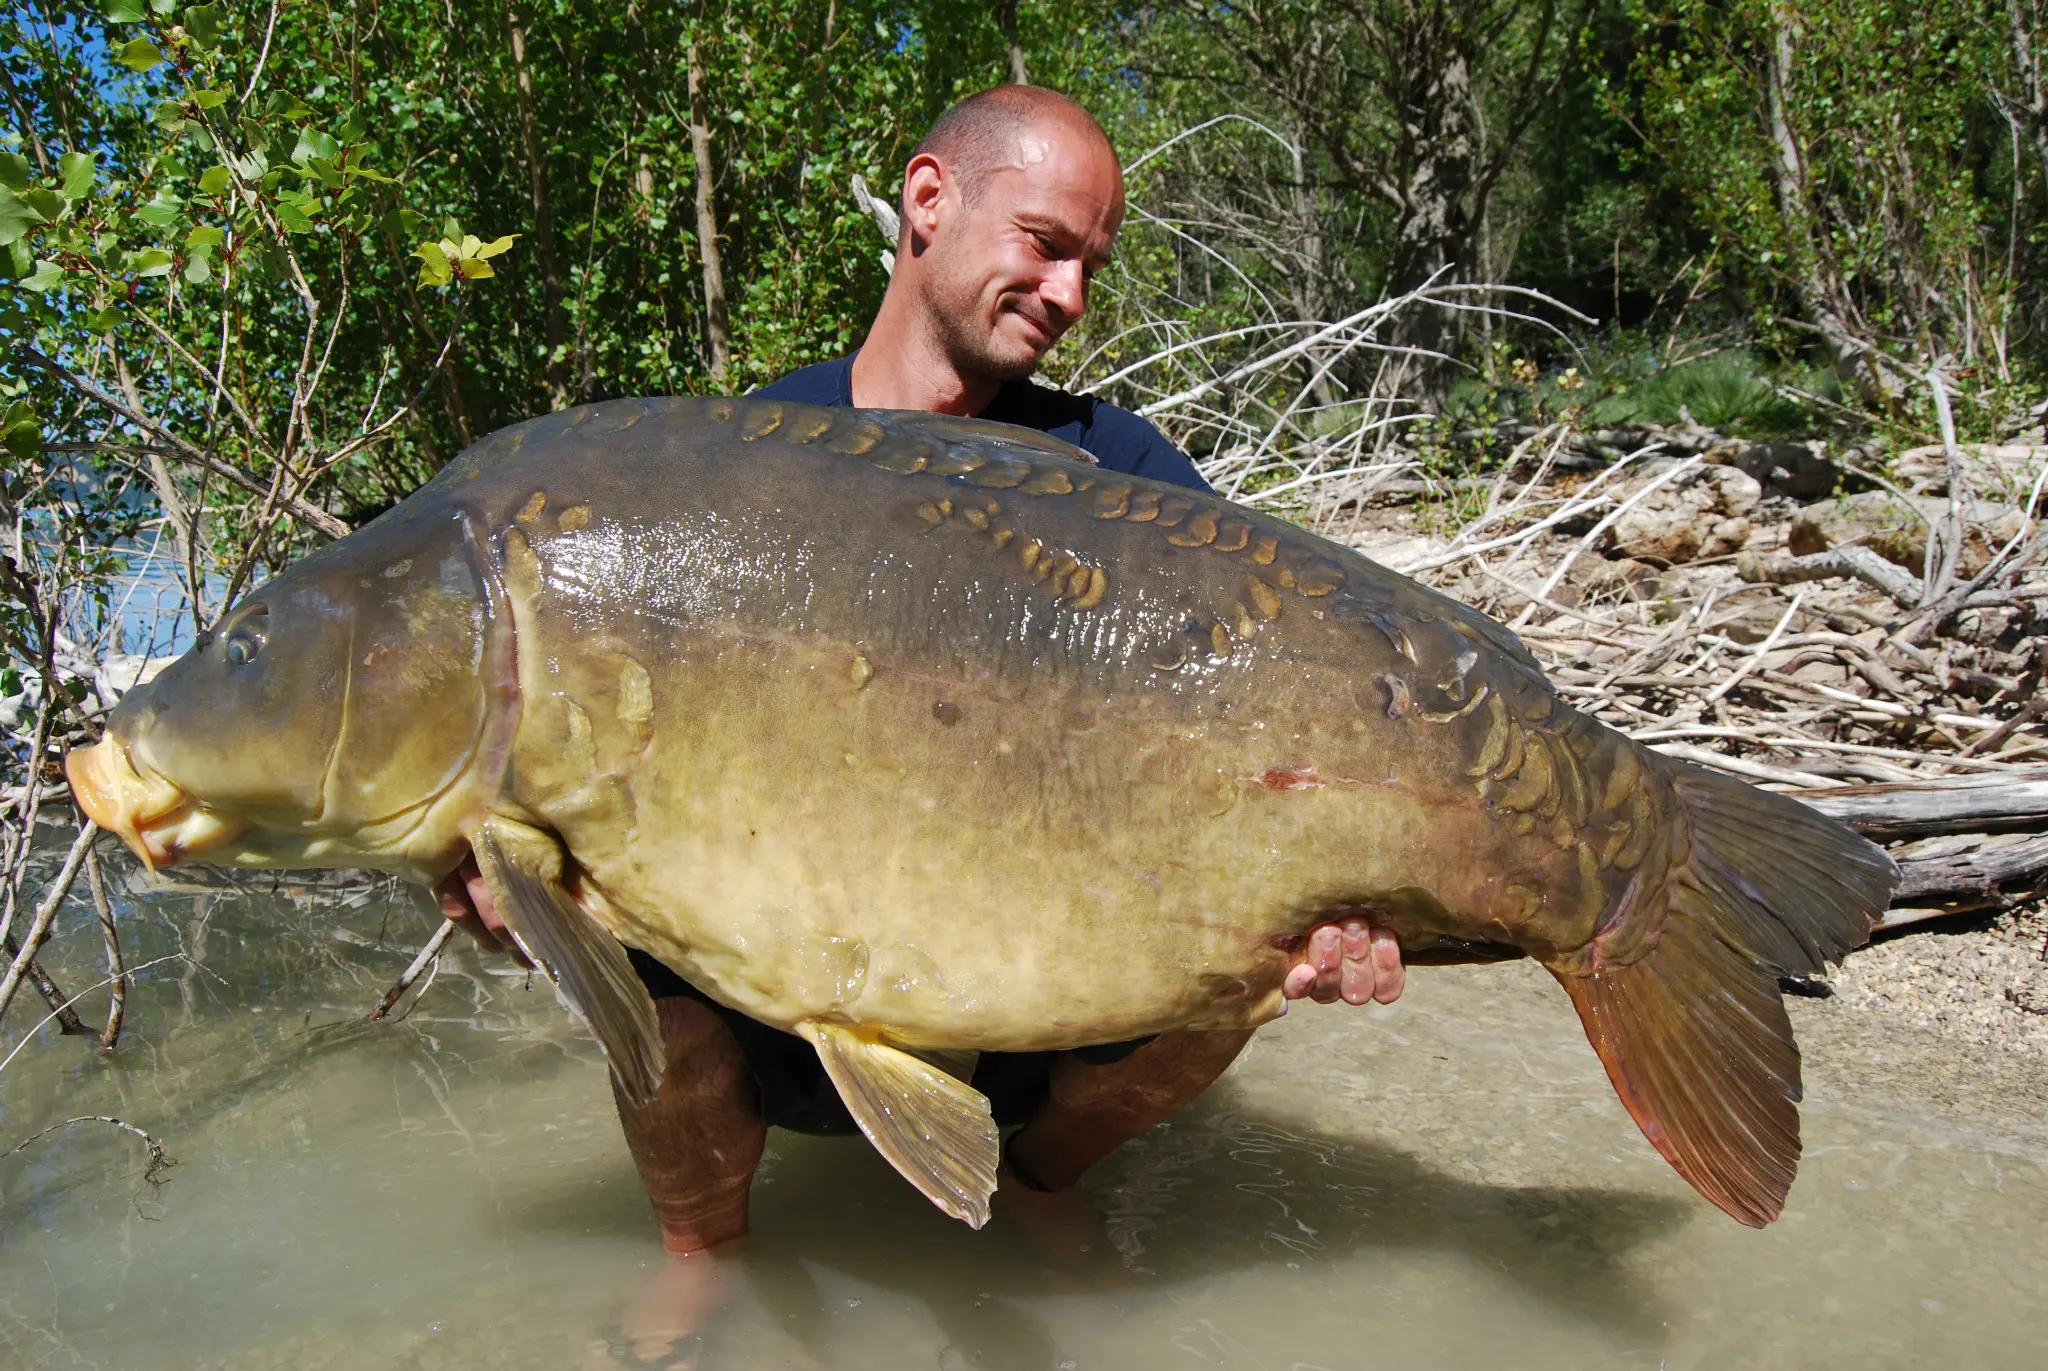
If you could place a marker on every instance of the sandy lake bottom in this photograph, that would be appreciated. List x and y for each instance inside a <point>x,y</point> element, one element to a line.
<point>1447,1183</point>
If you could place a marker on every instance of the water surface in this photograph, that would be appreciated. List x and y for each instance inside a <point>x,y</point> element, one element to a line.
<point>1448,1183</point>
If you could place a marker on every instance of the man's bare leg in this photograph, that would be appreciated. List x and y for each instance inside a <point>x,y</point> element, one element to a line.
<point>1093,1110</point>
<point>698,1141</point>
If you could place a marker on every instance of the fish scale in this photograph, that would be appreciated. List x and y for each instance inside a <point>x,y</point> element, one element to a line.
<point>919,736</point>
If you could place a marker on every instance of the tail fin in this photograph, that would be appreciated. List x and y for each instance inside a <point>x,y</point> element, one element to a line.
<point>1694,1034</point>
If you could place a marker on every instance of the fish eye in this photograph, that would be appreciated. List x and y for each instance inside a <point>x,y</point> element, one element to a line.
<point>246,640</point>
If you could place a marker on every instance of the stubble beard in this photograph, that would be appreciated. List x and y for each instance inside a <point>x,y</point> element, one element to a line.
<point>968,346</point>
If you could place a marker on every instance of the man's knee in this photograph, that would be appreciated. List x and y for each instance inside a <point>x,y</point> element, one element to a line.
<point>1164,1074</point>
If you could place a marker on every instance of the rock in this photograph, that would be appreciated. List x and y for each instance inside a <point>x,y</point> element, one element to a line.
<point>2002,470</point>
<point>1398,549</point>
<point>1754,624</point>
<point>1701,514</point>
<point>1896,528</point>
<point>1622,578</point>
<point>1792,469</point>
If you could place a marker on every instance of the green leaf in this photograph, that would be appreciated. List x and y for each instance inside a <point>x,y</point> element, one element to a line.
<point>434,268</point>
<point>205,238</point>
<point>162,212</point>
<point>46,278</point>
<point>285,105</point>
<point>139,55</point>
<point>74,173</point>
<point>47,203</point>
<point>150,262</point>
<point>214,180</point>
<point>202,26</point>
<point>402,223</point>
<point>198,270</point>
<point>100,321</point>
<point>10,677</point>
<point>496,246</point>
<point>211,99</point>
<point>13,171</point>
<point>314,143</point>
<point>163,6</point>
<point>124,11</point>
<point>352,128</point>
<point>450,229</point>
<point>22,433</point>
<point>293,218</point>
<point>474,268</point>
<point>17,217</point>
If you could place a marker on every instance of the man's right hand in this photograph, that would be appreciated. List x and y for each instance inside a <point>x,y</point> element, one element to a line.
<point>466,900</point>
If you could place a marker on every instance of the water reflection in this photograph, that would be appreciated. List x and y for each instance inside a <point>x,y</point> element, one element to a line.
<point>1448,1184</point>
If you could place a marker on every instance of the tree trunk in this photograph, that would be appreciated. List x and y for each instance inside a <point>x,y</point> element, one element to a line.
<point>1820,294</point>
<point>2027,66</point>
<point>543,217</point>
<point>1006,20</point>
<point>716,332</point>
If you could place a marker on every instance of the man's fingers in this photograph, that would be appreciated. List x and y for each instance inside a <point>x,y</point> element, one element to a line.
<point>1326,955</point>
<point>1358,973</point>
<point>1390,976</point>
<point>1299,980</point>
<point>466,902</point>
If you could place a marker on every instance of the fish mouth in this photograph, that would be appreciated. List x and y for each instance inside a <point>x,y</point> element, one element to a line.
<point>161,822</point>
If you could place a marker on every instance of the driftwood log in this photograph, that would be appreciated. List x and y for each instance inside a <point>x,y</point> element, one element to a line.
<point>1974,843</point>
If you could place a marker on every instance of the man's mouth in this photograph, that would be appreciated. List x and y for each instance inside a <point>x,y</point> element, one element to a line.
<point>1043,334</point>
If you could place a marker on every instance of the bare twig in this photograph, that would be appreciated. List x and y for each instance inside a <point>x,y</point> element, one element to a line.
<point>159,1161</point>
<point>426,958</point>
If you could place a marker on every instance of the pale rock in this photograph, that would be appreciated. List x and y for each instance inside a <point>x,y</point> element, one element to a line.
<point>1896,528</point>
<point>1701,514</point>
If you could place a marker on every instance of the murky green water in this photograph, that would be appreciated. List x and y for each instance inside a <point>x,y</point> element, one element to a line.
<point>1449,1183</point>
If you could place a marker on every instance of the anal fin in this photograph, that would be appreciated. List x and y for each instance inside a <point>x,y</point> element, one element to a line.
<point>935,1129</point>
<point>523,868</point>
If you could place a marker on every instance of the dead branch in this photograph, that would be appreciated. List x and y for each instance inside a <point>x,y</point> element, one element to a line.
<point>160,1162</point>
<point>426,958</point>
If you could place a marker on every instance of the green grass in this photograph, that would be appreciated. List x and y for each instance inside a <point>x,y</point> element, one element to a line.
<point>1727,391</point>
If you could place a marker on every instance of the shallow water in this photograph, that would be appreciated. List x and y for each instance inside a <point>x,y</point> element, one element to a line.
<point>1446,1183</point>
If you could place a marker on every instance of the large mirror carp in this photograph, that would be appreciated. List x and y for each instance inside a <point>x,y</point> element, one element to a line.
<point>919,736</point>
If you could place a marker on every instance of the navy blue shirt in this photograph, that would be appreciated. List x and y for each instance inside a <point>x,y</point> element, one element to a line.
<point>1117,438</point>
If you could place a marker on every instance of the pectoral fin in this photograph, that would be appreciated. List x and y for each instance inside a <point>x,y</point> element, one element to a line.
<point>934,1129</point>
<point>523,868</point>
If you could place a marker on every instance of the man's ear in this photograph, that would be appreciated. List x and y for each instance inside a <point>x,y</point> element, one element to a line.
<point>926,183</point>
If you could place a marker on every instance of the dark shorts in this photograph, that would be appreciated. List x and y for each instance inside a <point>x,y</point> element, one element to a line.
<point>797,1094</point>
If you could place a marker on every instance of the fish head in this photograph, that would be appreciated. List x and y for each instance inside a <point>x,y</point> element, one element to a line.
<point>351,712</point>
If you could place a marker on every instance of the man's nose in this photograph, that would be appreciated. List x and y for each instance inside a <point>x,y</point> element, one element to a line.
<point>1065,290</point>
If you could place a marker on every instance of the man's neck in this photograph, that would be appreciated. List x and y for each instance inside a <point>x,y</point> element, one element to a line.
<point>902,366</point>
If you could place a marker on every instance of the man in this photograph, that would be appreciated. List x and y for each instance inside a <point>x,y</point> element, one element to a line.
<point>1010,207</point>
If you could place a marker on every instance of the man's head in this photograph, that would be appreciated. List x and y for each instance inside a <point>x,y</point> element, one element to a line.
<point>1010,206</point>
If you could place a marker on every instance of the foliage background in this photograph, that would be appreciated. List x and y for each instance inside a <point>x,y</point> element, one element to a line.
<point>214,217</point>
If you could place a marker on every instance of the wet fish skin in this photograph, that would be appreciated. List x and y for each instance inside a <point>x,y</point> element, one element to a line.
<point>911,728</point>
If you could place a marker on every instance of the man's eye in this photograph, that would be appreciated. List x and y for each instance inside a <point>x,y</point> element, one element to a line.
<point>1045,246</point>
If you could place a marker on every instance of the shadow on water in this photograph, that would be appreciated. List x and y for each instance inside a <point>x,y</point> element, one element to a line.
<point>1221,1192</point>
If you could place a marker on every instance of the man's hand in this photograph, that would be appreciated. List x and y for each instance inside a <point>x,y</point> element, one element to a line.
<point>1351,961</point>
<point>466,900</point>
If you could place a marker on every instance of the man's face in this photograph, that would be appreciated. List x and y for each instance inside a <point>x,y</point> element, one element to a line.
<point>1006,276</point>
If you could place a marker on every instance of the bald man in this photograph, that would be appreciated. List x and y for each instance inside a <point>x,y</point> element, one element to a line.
<point>1011,205</point>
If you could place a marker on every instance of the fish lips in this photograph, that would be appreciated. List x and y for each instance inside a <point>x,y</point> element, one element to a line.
<point>159,820</point>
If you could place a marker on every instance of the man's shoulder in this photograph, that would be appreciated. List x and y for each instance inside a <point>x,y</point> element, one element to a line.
<point>821,383</point>
<point>1119,439</point>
